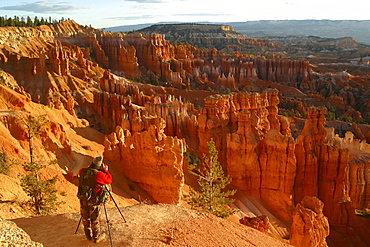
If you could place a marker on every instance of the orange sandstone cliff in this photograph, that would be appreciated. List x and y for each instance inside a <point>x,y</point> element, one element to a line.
<point>144,130</point>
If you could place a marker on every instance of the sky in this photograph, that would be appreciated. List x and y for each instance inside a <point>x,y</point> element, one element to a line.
<point>110,13</point>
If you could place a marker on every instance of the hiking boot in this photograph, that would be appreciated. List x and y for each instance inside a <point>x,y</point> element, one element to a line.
<point>88,234</point>
<point>99,238</point>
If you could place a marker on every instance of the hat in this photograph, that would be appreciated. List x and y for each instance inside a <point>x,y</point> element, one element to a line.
<point>98,161</point>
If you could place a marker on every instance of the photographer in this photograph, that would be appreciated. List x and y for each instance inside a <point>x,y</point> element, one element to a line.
<point>91,192</point>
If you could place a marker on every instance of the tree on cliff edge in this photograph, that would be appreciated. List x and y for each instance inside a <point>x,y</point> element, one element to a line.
<point>42,192</point>
<point>212,196</point>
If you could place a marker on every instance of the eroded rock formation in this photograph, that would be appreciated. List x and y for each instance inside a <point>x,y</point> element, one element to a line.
<point>275,159</point>
<point>151,159</point>
<point>310,227</point>
<point>257,149</point>
<point>261,223</point>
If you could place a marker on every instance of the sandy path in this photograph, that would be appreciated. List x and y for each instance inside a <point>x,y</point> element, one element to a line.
<point>58,230</point>
<point>147,225</point>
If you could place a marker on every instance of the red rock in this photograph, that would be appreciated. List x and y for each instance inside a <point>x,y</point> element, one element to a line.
<point>261,222</point>
<point>310,227</point>
<point>151,159</point>
<point>307,152</point>
<point>268,156</point>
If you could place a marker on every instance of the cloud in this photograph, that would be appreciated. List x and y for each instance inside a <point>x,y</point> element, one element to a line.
<point>43,7</point>
<point>202,14</point>
<point>150,1</point>
<point>127,18</point>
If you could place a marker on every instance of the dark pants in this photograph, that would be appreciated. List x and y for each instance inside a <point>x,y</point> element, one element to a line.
<point>89,214</point>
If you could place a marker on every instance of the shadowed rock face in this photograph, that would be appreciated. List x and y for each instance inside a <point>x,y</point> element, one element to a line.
<point>149,127</point>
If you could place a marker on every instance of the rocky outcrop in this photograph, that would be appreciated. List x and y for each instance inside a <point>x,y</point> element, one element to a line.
<point>151,159</point>
<point>343,42</point>
<point>210,36</point>
<point>310,227</point>
<point>139,141</point>
<point>261,223</point>
<point>263,159</point>
<point>307,152</point>
<point>12,235</point>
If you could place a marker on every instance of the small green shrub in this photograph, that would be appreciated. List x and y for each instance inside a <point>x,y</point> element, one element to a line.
<point>287,114</point>
<point>363,213</point>
<point>346,118</point>
<point>4,163</point>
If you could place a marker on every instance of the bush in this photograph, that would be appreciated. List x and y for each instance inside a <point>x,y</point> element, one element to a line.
<point>331,115</point>
<point>4,163</point>
<point>346,118</point>
<point>363,213</point>
<point>193,161</point>
<point>287,114</point>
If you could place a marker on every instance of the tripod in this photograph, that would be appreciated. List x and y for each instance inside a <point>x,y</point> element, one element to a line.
<point>110,194</point>
<point>106,215</point>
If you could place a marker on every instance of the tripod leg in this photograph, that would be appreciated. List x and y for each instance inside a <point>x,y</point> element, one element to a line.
<point>110,194</point>
<point>108,224</point>
<point>78,225</point>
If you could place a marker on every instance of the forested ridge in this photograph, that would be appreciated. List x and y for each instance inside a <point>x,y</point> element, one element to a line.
<point>22,21</point>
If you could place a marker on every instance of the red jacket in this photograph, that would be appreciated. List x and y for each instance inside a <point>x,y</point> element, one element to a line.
<point>103,177</point>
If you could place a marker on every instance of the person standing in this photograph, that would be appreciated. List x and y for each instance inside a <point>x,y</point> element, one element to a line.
<point>92,192</point>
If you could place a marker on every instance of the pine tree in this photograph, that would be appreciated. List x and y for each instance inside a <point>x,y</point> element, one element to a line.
<point>42,192</point>
<point>212,196</point>
<point>29,22</point>
<point>10,22</point>
<point>22,22</point>
<point>36,21</point>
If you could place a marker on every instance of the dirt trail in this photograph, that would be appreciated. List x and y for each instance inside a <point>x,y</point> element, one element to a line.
<point>147,225</point>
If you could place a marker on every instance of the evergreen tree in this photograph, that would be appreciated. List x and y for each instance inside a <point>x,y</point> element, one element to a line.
<point>29,22</point>
<point>22,22</point>
<point>212,196</point>
<point>10,22</point>
<point>2,21</point>
<point>42,21</point>
<point>42,192</point>
<point>16,21</point>
<point>36,21</point>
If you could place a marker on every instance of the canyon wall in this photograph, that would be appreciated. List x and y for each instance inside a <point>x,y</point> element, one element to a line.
<point>148,129</point>
<point>257,150</point>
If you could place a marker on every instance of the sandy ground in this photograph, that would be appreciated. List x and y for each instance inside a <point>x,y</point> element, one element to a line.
<point>146,225</point>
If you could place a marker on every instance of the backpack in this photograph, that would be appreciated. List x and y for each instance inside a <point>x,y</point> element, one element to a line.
<point>87,188</point>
